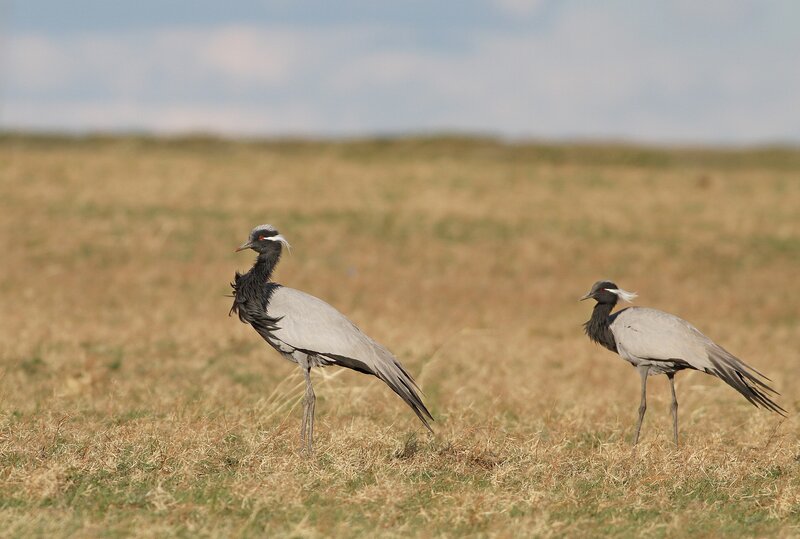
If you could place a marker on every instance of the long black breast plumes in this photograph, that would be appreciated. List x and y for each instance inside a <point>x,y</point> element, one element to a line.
<point>598,327</point>
<point>250,301</point>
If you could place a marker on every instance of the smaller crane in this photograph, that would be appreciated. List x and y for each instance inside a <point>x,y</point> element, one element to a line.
<point>656,342</point>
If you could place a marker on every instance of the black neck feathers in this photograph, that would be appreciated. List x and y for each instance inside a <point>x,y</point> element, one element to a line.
<point>597,327</point>
<point>251,291</point>
<point>265,265</point>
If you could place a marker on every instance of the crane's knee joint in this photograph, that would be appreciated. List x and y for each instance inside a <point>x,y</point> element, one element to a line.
<point>642,409</point>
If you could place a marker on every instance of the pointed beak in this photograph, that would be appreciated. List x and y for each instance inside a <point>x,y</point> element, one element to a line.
<point>243,246</point>
<point>586,296</point>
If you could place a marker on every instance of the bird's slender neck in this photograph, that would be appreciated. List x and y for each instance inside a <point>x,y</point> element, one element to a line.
<point>265,265</point>
<point>598,326</point>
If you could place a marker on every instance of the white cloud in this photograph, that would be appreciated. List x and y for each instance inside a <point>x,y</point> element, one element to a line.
<point>173,118</point>
<point>132,61</point>
<point>248,55</point>
<point>35,62</point>
<point>519,7</point>
<point>716,11</point>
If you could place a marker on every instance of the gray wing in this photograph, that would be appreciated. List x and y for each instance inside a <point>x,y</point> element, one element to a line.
<point>308,324</point>
<point>649,334</point>
<point>653,335</point>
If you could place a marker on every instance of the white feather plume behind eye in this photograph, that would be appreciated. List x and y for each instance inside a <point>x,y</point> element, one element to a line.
<point>280,238</point>
<point>624,294</point>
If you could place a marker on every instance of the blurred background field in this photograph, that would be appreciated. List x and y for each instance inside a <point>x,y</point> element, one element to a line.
<point>131,404</point>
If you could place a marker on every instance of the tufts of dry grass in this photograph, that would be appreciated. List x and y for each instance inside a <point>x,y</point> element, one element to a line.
<point>130,404</point>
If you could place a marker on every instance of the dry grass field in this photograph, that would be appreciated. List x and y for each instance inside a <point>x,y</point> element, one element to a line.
<point>132,405</point>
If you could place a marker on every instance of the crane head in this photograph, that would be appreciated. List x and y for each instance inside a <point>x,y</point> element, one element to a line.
<point>608,292</point>
<point>264,238</point>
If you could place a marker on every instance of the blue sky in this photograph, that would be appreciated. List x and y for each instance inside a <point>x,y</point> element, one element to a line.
<point>680,71</point>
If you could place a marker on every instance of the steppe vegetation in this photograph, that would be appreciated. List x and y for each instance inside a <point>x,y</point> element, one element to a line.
<point>132,405</point>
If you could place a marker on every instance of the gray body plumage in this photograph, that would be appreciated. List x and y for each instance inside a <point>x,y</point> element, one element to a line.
<point>656,342</point>
<point>657,339</point>
<point>667,344</point>
<point>310,332</point>
<point>308,329</point>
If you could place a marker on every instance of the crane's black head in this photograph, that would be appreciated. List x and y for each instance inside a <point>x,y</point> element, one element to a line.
<point>264,239</point>
<point>608,293</point>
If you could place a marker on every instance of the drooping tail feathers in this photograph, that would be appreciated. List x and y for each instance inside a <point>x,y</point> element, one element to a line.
<point>743,378</point>
<point>388,369</point>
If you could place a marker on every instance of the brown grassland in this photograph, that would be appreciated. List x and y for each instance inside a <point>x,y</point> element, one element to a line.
<point>132,405</point>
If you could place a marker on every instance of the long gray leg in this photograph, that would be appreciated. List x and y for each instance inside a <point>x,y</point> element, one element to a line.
<point>304,424</point>
<point>674,406</point>
<point>643,371</point>
<point>309,403</point>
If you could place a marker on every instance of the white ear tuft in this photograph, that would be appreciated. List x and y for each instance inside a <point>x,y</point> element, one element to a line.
<point>624,294</point>
<point>280,238</point>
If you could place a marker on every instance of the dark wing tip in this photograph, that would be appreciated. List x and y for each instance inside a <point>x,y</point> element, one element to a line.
<point>750,387</point>
<point>394,375</point>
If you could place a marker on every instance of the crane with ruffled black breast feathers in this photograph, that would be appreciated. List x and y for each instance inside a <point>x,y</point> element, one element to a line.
<point>309,332</point>
<point>656,342</point>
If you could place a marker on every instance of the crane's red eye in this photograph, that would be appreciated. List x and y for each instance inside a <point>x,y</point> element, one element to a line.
<point>262,238</point>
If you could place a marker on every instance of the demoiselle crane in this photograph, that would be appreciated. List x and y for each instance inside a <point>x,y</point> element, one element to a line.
<point>656,342</point>
<point>309,332</point>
